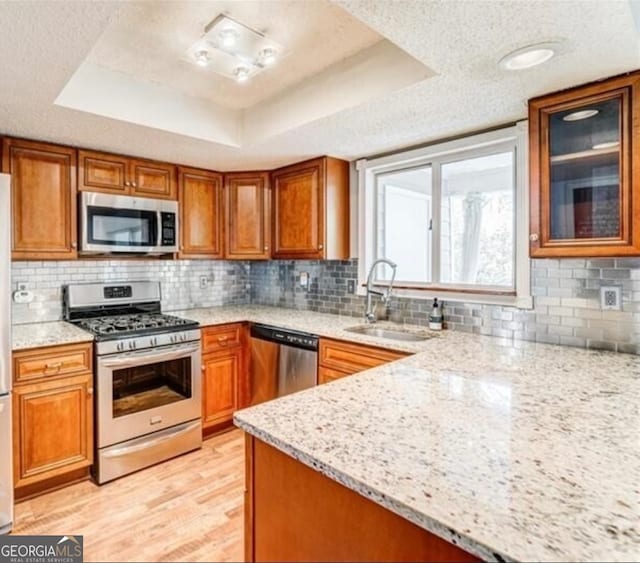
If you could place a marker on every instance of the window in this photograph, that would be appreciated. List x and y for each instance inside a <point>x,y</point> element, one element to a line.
<point>453,217</point>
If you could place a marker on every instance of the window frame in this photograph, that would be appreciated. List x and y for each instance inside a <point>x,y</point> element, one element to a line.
<point>509,138</point>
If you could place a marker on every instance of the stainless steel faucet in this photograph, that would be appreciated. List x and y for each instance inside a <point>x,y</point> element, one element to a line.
<point>369,314</point>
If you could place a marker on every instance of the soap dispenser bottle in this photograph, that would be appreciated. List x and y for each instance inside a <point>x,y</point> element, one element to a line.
<point>435,318</point>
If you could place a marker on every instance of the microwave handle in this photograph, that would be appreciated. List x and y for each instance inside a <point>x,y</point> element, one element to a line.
<point>158,230</point>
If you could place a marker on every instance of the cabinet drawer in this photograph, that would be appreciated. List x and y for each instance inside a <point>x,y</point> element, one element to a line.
<point>325,375</point>
<point>352,358</point>
<point>55,361</point>
<point>221,337</point>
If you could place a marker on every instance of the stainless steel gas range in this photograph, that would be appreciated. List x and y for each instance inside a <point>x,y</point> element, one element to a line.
<point>147,370</point>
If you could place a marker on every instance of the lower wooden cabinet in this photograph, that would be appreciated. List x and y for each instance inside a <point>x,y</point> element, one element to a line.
<point>339,359</point>
<point>52,423</point>
<point>224,374</point>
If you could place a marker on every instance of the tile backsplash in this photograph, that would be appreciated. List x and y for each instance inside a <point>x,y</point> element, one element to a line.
<point>566,295</point>
<point>566,301</point>
<point>227,282</point>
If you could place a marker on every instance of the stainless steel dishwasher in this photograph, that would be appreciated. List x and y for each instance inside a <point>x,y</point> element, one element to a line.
<point>282,362</point>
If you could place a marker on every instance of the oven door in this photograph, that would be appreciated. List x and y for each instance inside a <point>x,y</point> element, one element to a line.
<point>127,224</point>
<point>142,392</point>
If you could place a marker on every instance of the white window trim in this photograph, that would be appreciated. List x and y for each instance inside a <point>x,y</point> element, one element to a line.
<point>367,170</point>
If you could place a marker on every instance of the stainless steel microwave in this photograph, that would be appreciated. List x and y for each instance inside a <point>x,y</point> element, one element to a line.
<point>117,223</point>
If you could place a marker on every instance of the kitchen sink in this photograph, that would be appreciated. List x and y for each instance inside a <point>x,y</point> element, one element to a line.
<point>389,333</point>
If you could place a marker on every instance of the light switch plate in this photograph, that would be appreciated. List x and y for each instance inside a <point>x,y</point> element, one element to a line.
<point>611,298</point>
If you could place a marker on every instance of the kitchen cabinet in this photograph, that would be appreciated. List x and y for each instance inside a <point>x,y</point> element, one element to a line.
<point>585,170</point>
<point>52,417</point>
<point>224,377</point>
<point>201,213</point>
<point>284,498</point>
<point>311,210</point>
<point>337,359</point>
<point>248,216</point>
<point>43,199</point>
<point>121,175</point>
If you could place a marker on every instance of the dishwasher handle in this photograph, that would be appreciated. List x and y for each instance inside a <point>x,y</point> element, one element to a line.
<point>285,337</point>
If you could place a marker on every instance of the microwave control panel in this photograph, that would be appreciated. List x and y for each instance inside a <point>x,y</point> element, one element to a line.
<point>168,229</point>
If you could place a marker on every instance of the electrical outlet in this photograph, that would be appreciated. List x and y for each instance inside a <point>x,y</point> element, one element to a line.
<point>351,286</point>
<point>611,297</point>
<point>204,282</point>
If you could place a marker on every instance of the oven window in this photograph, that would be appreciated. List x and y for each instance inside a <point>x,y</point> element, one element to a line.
<point>146,387</point>
<point>121,227</point>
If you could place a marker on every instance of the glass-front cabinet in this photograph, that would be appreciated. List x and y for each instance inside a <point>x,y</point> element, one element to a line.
<point>584,163</point>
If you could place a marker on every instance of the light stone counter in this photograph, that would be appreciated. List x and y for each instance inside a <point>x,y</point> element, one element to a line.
<point>515,451</point>
<point>37,335</point>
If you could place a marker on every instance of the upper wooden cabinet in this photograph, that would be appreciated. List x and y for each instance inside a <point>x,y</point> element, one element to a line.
<point>311,210</point>
<point>43,201</point>
<point>585,170</point>
<point>248,216</point>
<point>114,174</point>
<point>201,213</point>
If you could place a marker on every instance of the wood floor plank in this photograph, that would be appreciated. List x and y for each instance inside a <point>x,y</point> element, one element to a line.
<point>186,509</point>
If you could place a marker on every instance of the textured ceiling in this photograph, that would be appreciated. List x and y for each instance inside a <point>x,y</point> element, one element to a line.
<point>43,43</point>
<point>149,39</point>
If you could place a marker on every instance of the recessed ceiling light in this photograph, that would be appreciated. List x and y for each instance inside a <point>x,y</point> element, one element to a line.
<point>202,57</point>
<point>581,114</point>
<point>241,73</point>
<point>267,56</point>
<point>527,57</point>
<point>228,37</point>
<point>608,145</point>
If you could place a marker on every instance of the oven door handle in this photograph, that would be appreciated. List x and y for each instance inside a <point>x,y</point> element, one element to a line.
<point>126,450</point>
<point>132,359</point>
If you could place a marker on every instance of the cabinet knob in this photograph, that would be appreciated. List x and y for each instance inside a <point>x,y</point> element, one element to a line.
<point>127,183</point>
<point>533,237</point>
<point>203,367</point>
<point>320,247</point>
<point>90,391</point>
<point>266,248</point>
<point>74,245</point>
<point>181,247</point>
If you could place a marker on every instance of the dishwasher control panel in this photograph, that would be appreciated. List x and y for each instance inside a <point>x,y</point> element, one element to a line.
<point>286,337</point>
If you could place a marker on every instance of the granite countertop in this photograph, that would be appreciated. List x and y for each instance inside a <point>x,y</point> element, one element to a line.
<point>37,335</point>
<point>512,450</point>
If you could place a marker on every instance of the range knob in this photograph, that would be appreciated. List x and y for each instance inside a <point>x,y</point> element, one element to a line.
<point>132,345</point>
<point>154,341</point>
<point>183,337</point>
<point>174,338</point>
<point>120,346</point>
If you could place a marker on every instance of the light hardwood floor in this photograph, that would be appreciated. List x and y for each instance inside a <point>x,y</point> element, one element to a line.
<point>186,509</point>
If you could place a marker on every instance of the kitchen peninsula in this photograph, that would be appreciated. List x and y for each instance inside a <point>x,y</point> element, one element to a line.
<point>508,452</point>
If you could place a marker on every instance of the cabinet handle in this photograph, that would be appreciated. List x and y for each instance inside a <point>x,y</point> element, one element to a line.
<point>55,366</point>
<point>222,339</point>
<point>533,237</point>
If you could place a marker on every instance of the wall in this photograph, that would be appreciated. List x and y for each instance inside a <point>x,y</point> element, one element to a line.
<point>566,301</point>
<point>566,295</point>
<point>180,283</point>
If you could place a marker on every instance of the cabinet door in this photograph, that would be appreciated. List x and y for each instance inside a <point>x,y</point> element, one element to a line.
<point>53,428</point>
<point>200,213</point>
<point>153,179</point>
<point>325,375</point>
<point>248,216</point>
<point>582,171</point>
<point>101,172</point>
<point>43,185</point>
<point>298,207</point>
<point>221,372</point>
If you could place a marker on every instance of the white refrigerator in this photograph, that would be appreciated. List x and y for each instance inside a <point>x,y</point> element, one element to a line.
<point>6,457</point>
